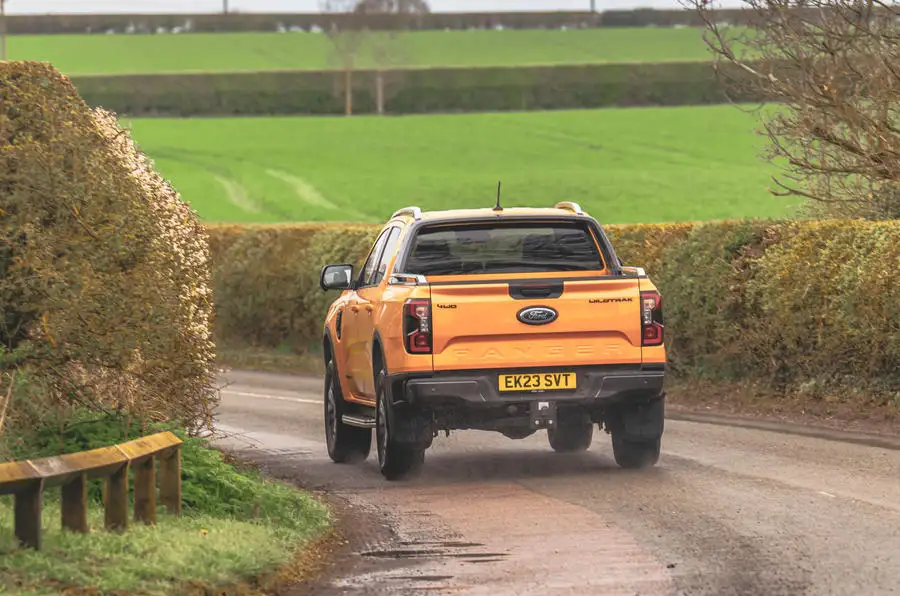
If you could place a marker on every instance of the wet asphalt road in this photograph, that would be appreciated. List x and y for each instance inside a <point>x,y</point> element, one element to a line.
<point>726,511</point>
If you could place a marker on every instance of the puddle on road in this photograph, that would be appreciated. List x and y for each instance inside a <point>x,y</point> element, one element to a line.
<point>401,554</point>
<point>436,550</point>
<point>428,553</point>
<point>443,544</point>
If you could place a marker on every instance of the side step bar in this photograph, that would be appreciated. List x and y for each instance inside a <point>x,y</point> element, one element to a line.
<point>358,421</point>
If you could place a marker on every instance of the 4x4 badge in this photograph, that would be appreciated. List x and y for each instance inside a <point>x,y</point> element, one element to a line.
<point>537,315</point>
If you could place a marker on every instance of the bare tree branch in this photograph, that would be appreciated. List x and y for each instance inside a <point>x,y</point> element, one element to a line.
<point>832,69</point>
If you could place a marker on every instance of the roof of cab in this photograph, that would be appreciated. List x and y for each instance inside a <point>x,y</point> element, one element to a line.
<point>414,213</point>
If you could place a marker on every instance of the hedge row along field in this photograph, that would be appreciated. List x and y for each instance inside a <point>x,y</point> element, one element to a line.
<point>805,306</point>
<point>410,91</point>
<point>84,23</point>
<point>252,52</point>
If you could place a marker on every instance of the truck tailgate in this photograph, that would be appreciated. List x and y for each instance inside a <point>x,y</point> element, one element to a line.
<point>477,325</point>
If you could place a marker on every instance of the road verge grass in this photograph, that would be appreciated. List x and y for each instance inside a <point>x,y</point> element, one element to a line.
<point>263,359</point>
<point>240,533</point>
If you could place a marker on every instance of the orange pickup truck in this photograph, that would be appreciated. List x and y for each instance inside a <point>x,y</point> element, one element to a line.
<point>508,320</point>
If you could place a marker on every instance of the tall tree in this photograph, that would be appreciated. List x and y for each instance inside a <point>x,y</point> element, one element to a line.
<point>347,34</point>
<point>831,69</point>
<point>386,42</point>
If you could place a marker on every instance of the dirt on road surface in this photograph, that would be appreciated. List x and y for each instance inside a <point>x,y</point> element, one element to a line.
<point>726,511</point>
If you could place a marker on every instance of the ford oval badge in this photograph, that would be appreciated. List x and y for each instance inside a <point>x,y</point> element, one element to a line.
<point>537,315</point>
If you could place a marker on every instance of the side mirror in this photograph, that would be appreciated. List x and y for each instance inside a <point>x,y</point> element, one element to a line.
<point>336,277</point>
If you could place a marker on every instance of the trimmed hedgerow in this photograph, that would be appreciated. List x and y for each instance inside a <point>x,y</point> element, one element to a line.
<point>105,293</point>
<point>811,306</point>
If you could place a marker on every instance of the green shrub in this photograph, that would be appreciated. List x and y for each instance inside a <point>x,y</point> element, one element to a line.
<point>828,295</point>
<point>644,245</point>
<point>410,91</point>
<point>347,244</point>
<point>104,272</point>
<point>258,285</point>
<point>267,281</point>
<point>703,282</point>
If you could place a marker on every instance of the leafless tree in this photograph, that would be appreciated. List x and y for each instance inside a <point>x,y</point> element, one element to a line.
<point>831,70</point>
<point>385,42</point>
<point>347,36</point>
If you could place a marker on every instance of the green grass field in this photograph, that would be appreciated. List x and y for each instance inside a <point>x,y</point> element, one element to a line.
<point>624,166</point>
<point>118,54</point>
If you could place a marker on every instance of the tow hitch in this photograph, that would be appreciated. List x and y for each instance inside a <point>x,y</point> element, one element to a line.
<point>543,414</point>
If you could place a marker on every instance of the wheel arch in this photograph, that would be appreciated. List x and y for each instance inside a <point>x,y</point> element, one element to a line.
<point>328,349</point>
<point>378,355</point>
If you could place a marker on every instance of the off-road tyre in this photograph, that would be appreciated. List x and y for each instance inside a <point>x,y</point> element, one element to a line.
<point>634,454</point>
<point>571,436</point>
<point>345,443</point>
<point>397,461</point>
<point>637,430</point>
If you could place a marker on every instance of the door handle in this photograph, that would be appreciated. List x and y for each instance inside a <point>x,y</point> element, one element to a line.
<point>354,308</point>
<point>369,308</point>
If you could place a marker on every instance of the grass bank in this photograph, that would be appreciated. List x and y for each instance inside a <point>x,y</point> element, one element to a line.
<point>239,531</point>
<point>638,165</point>
<point>224,52</point>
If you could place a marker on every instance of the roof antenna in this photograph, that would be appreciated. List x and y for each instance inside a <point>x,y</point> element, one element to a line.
<point>497,207</point>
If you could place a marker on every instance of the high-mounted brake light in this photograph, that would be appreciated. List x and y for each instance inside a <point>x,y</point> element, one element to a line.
<point>651,319</point>
<point>417,326</point>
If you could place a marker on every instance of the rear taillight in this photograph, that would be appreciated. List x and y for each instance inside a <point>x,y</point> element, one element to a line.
<point>417,326</point>
<point>651,319</point>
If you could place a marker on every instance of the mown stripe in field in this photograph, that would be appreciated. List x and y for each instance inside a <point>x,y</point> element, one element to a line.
<point>303,189</point>
<point>237,194</point>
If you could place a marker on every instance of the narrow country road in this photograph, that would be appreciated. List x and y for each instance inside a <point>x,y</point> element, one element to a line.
<point>726,511</point>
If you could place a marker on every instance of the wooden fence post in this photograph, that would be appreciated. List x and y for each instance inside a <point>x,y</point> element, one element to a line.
<point>145,491</point>
<point>117,500</point>
<point>170,480</point>
<point>74,505</point>
<point>29,505</point>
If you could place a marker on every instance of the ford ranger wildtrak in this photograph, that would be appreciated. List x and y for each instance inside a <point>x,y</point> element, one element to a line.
<point>508,320</point>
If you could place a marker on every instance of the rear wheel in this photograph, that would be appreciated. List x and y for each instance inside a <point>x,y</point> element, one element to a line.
<point>345,443</point>
<point>396,460</point>
<point>636,431</point>
<point>634,454</point>
<point>569,437</point>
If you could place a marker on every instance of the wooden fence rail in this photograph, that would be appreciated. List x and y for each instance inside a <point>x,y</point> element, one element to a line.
<point>27,480</point>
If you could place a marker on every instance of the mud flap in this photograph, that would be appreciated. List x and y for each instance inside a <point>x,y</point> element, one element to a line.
<point>643,420</point>
<point>543,414</point>
<point>409,426</point>
<point>413,429</point>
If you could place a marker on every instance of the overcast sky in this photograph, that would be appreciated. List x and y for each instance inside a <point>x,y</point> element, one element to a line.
<point>175,6</point>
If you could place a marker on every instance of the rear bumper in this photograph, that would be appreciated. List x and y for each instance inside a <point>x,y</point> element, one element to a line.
<point>595,385</point>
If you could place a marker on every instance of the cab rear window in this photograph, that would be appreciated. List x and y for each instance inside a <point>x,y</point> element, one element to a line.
<point>503,248</point>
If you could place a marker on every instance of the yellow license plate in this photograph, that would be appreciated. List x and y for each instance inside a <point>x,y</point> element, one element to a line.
<point>538,382</point>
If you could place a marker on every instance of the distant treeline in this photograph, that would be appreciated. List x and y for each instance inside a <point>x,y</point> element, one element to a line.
<point>409,91</point>
<point>236,22</point>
